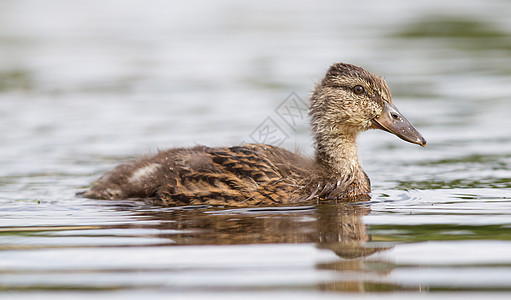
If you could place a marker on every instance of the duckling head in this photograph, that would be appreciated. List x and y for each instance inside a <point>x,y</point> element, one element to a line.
<point>350,100</point>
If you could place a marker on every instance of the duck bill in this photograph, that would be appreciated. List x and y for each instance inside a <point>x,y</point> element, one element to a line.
<point>393,121</point>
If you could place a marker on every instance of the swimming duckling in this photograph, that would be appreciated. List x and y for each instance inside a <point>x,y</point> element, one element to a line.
<point>348,101</point>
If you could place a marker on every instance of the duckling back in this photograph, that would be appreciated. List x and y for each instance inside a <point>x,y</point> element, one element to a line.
<point>245,175</point>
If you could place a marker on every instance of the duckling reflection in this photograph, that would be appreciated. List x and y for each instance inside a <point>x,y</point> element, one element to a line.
<point>337,227</point>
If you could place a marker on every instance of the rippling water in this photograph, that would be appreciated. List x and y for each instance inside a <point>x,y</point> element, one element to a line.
<point>86,85</point>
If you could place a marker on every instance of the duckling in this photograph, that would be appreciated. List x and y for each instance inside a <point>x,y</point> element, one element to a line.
<point>347,101</point>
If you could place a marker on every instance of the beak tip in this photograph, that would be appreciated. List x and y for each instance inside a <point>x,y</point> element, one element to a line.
<point>422,142</point>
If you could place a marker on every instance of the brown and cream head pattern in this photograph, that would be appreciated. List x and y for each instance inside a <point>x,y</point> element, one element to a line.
<point>350,100</point>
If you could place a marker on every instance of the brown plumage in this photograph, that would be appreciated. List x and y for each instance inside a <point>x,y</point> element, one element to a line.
<point>348,100</point>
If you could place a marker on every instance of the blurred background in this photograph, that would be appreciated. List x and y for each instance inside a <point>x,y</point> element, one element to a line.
<point>85,85</point>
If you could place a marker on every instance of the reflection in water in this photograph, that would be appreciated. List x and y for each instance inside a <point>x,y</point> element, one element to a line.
<point>324,224</point>
<point>336,227</point>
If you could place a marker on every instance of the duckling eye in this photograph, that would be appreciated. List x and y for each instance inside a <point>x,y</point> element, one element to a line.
<point>358,90</point>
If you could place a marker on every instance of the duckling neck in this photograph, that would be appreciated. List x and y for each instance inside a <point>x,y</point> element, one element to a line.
<point>337,155</point>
